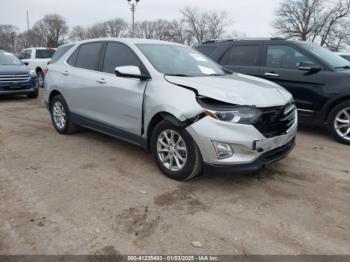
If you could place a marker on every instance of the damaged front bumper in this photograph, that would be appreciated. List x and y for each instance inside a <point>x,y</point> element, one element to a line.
<point>251,150</point>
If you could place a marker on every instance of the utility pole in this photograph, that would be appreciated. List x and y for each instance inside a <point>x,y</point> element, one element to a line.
<point>133,4</point>
<point>28,28</point>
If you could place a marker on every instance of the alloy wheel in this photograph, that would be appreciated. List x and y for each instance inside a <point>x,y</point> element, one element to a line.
<point>59,114</point>
<point>172,150</point>
<point>342,123</point>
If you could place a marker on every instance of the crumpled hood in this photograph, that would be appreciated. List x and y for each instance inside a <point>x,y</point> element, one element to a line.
<point>13,69</point>
<point>236,89</point>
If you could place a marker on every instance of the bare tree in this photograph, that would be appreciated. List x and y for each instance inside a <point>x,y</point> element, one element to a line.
<point>313,20</point>
<point>52,29</point>
<point>116,27</point>
<point>196,23</point>
<point>145,29</point>
<point>216,23</point>
<point>78,33</point>
<point>8,35</point>
<point>332,18</point>
<point>97,31</point>
<point>204,25</point>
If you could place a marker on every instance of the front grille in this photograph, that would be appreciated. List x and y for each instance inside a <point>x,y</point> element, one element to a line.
<point>14,78</point>
<point>276,121</point>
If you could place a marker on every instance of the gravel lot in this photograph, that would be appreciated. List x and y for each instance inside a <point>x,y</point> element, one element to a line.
<point>91,194</point>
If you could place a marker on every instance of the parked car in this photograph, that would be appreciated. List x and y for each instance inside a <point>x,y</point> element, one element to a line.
<point>15,77</point>
<point>37,59</point>
<point>172,100</point>
<point>318,79</point>
<point>344,55</point>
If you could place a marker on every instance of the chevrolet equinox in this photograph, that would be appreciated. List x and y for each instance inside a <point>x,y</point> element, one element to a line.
<point>188,111</point>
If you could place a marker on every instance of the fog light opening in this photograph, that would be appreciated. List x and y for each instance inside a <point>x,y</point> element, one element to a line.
<point>222,150</point>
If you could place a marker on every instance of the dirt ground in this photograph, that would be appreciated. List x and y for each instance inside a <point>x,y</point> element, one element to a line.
<point>92,194</point>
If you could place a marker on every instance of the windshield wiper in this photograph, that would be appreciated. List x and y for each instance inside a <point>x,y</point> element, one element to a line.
<point>180,75</point>
<point>344,67</point>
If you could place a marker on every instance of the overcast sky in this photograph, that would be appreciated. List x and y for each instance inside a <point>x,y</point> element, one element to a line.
<point>252,17</point>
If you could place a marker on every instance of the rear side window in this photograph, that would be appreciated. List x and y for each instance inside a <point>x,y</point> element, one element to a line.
<point>244,55</point>
<point>73,58</point>
<point>60,52</point>
<point>119,55</point>
<point>44,53</point>
<point>207,50</point>
<point>89,56</point>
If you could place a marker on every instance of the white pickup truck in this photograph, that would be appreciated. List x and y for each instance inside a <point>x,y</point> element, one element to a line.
<point>37,59</point>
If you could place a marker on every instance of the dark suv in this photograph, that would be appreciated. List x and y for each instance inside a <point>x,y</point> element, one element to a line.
<point>318,79</point>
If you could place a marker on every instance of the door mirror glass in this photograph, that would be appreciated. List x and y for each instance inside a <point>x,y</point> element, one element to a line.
<point>309,67</point>
<point>130,72</point>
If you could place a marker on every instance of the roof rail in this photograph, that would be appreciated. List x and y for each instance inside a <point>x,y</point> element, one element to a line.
<point>211,41</point>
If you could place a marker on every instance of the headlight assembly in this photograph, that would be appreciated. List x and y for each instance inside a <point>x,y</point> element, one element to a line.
<point>228,112</point>
<point>32,73</point>
<point>242,115</point>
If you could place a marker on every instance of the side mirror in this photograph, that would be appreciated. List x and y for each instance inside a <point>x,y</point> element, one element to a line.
<point>309,67</point>
<point>130,72</point>
<point>26,63</point>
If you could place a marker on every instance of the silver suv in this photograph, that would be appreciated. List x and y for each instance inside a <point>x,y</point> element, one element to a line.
<point>193,115</point>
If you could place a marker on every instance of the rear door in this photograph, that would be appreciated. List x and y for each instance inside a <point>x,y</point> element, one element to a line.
<point>281,65</point>
<point>80,81</point>
<point>243,58</point>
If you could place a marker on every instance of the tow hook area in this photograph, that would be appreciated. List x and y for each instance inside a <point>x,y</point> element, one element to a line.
<point>256,148</point>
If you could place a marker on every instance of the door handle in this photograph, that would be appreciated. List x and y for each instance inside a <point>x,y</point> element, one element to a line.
<point>65,73</point>
<point>272,74</point>
<point>101,81</point>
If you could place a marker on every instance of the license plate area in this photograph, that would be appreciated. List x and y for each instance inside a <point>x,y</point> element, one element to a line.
<point>15,86</point>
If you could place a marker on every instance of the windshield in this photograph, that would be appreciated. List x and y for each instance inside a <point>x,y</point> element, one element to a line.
<point>179,60</point>
<point>332,59</point>
<point>8,59</point>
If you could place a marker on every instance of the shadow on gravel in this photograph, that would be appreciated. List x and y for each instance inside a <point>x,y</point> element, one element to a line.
<point>315,130</point>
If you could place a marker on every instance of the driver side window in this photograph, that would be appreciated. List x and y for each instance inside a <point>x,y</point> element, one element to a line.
<point>284,56</point>
<point>118,54</point>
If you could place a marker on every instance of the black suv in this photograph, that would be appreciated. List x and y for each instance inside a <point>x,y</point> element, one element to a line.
<point>318,79</point>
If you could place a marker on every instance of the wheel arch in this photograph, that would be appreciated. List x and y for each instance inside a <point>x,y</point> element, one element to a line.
<point>158,117</point>
<point>172,119</point>
<point>334,103</point>
<point>38,69</point>
<point>52,95</point>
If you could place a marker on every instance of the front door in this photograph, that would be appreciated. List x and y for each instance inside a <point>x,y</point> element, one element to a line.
<point>281,65</point>
<point>120,100</point>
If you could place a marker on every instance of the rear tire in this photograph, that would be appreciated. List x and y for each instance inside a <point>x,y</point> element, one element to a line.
<point>61,116</point>
<point>339,122</point>
<point>175,152</point>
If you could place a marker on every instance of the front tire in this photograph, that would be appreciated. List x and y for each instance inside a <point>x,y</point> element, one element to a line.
<point>34,94</point>
<point>175,152</point>
<point>61,116</point>
<point>339,122</point>
<point>40,78</point>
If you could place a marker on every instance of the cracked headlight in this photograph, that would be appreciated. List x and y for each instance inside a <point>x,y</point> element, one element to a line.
<point>242,115</point>
<point>229,112</point>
